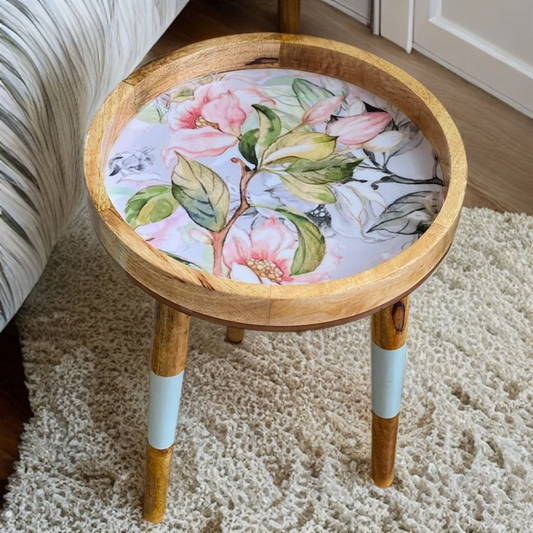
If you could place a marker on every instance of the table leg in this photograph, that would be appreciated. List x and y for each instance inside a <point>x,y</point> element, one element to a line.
<point>389,334</point>
<point>169,353</point>
<point>289,16</point>
<point>234,335</point>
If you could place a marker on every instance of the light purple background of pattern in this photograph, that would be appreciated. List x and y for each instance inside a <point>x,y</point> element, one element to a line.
<point>173,234</point>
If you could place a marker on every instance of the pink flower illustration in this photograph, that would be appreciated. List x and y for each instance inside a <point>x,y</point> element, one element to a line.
<point>165,234</point>
<point>357,130</point>
<point>322,111</point>
<point>265,255</point>
<point>210,123</point>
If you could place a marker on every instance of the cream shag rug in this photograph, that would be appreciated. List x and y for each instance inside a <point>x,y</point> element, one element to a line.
<point>274,435</point>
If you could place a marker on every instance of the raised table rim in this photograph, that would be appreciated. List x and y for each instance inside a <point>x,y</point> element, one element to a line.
<point>275,307</point>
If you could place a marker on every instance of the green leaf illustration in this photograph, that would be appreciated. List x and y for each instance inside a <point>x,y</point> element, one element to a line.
<point>316,194</point>
<point>308,93</point>
<point>186,93</point>
<point>202,193</point>
<point>408,215</point>
<point>311,243</point>
<point>247,146</point>
<point>269,127</point>
<point>183,260</point>
<point>150,205</point>
<point>304,145</point>
<point>333,169</point>
<point>151,114</point>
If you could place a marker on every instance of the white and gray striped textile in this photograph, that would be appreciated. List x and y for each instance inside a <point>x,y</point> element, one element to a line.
<point>59,59</point>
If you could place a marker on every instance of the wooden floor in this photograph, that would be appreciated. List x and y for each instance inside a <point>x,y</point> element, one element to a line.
<point>498,141</point>
<point>14,404</point>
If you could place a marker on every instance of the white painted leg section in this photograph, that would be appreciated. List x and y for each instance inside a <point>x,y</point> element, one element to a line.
<point>387,369</point>
<point>165,394</point>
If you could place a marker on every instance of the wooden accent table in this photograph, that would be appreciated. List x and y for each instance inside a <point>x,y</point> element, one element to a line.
<point>274,182</point>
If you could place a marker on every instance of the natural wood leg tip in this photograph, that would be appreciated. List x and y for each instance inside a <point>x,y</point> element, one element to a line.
<point>384,433</point>
<point>234,335</point>
<point>383,483</point>
<point>147,517</point>
<point>231,341</point>
<point>156,484</point>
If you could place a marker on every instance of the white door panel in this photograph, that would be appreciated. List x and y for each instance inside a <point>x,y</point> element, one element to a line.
<point>488,42</point>
<point>507,25</point>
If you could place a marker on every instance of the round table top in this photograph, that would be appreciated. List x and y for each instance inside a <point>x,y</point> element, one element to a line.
<point>276,177</point>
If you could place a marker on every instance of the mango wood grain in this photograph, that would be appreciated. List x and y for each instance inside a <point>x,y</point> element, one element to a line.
<point>271,306</point>
<point>169,353</point>
<point>169,349</point>
<point>234,335</point>
<point>289,16</point>
<point>279,328</point>
<point>156,483</point>
<point>389,331</point>
<point>384,437</point>
<point>389,326</point>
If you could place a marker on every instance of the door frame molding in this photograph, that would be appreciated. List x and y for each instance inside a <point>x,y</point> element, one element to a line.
<point>396,21</point>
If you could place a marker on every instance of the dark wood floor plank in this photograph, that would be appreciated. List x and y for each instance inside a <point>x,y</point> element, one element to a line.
<point>15,407</point>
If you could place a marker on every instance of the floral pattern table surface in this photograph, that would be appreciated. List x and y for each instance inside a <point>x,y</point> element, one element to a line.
<point>274,176</point>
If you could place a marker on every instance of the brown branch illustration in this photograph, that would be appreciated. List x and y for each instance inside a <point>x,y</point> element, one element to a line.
<point>219,237</point>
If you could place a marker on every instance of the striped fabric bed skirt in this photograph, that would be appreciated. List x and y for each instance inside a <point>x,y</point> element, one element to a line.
<point>59,59</point>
